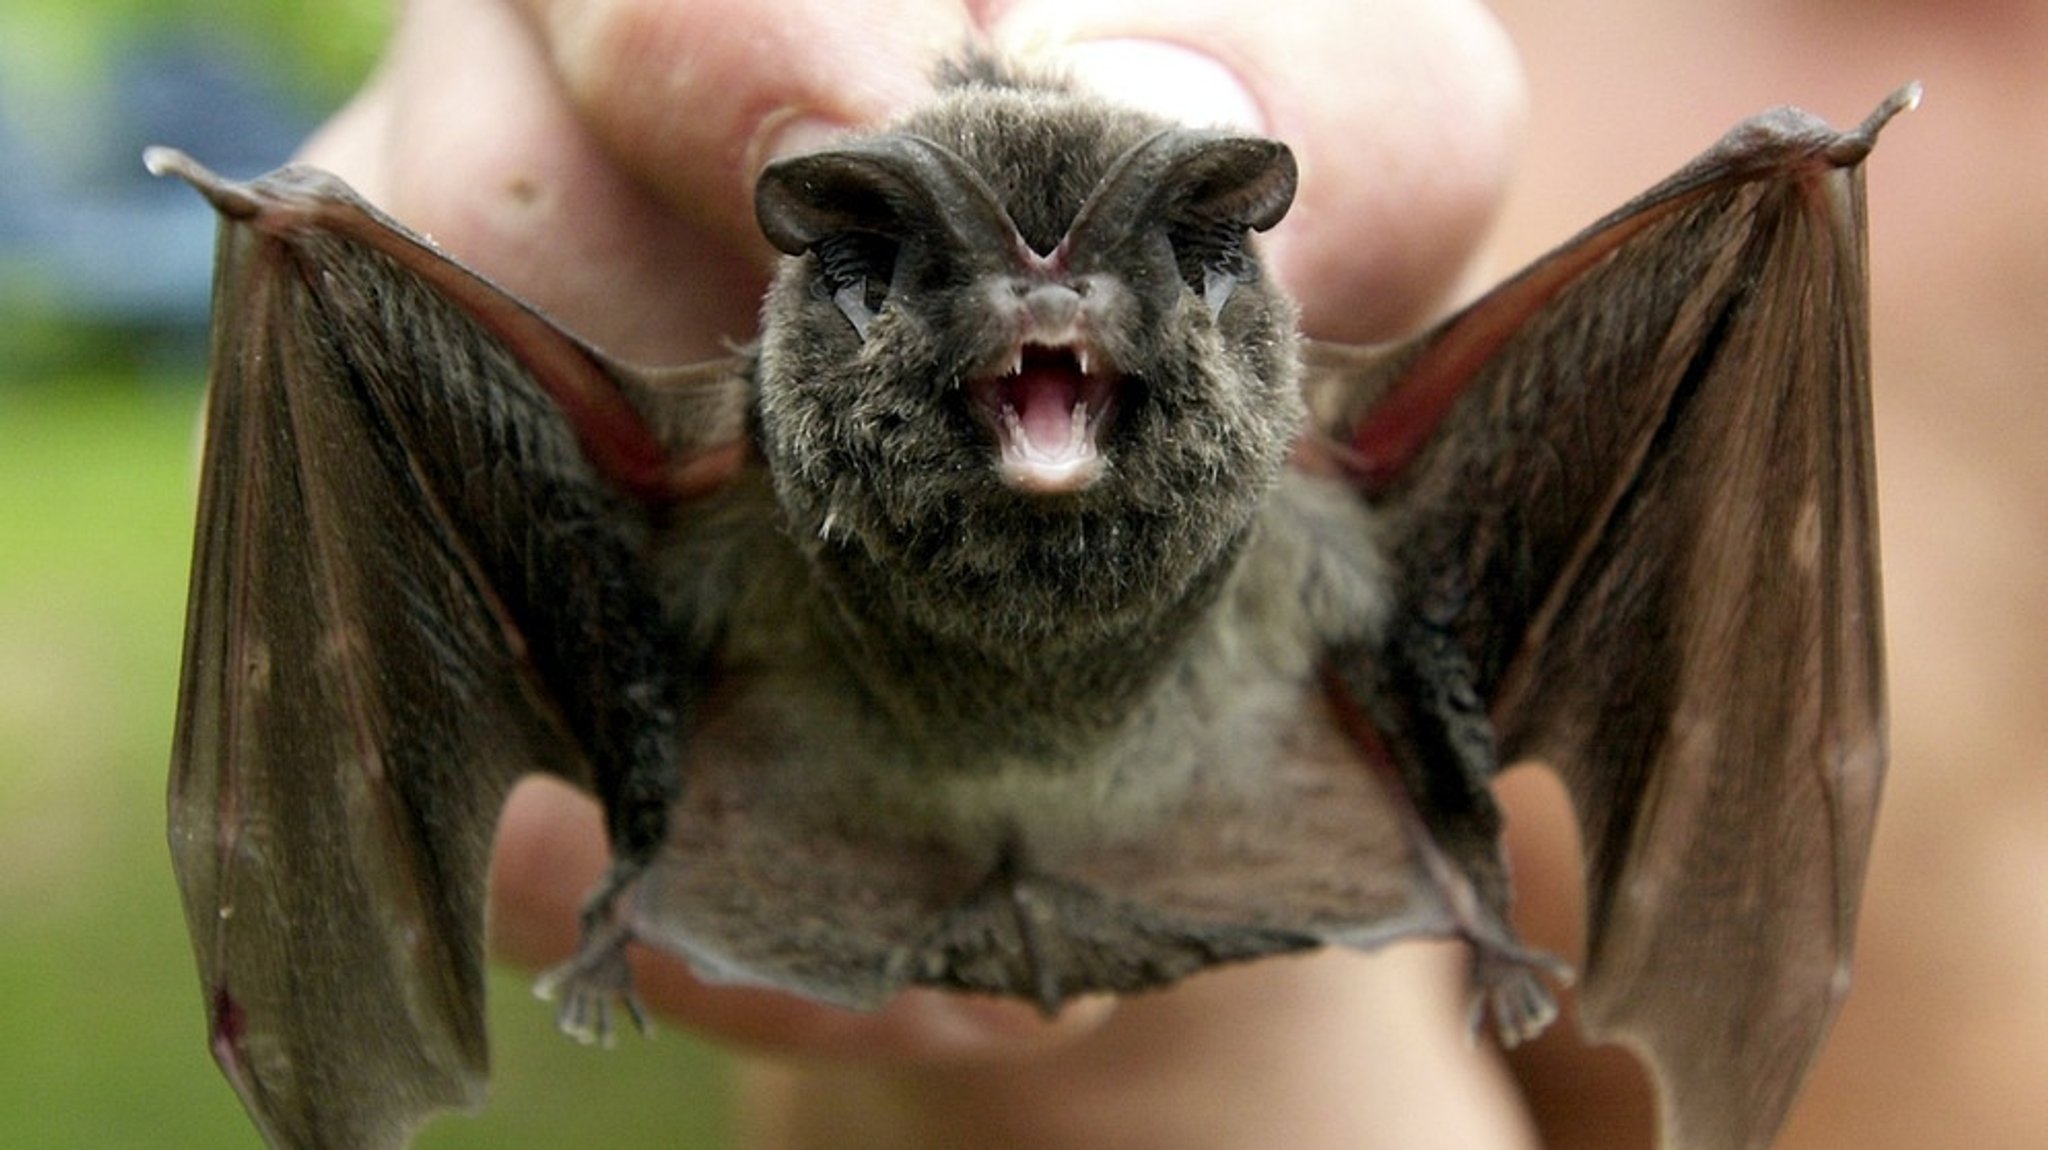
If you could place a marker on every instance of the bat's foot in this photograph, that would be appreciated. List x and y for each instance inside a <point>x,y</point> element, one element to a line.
<point>589,984</point>
<point>1508,984</point>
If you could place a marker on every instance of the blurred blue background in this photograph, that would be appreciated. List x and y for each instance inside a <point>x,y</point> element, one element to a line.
<point>104,274</point>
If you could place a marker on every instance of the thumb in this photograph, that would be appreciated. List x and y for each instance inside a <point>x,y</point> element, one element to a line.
<point>1401,114</point>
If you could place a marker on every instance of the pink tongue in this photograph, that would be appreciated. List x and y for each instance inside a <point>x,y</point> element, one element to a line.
<point>1043,399</point>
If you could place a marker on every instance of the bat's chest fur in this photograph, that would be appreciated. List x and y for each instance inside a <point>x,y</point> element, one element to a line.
<point>933,741</point>
<point>1222,783</point>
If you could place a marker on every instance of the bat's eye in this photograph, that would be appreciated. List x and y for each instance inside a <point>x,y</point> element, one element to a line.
<point>854,270</point>
<point>1212,258</point>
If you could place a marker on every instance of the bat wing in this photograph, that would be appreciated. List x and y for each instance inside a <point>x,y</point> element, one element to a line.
<point>410,483</point>
<point>1636,482</point>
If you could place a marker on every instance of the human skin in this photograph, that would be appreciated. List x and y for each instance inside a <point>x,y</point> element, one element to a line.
<point>596,156</point>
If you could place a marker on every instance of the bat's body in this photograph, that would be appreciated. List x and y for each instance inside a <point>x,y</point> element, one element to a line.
<point>1032,611</point>
<point>927,833</point>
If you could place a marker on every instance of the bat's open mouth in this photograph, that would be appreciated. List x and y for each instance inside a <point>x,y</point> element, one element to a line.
<point>1048,410</point>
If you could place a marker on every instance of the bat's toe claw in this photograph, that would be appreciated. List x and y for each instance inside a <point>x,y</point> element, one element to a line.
<point>1508,984</point>
<point>1521,1005</point>
<point>589,985</point>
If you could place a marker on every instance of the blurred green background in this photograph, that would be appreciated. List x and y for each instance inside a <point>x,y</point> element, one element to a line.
<point>102,294</point>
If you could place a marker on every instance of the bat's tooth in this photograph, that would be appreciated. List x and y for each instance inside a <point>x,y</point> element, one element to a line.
<point>1016,361</point>
<point>1081,358</point>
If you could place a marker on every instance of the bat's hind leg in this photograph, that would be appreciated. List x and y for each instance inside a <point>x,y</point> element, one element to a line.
<point>637,802</point>
<point>599,976</point>
<point>1413,707</point>
<point>634,697</point>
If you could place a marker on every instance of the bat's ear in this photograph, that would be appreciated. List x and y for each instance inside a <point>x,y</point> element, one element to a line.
<point>1182,178</point>
<point>892,185</point>
<point>1243,180</point>
<point>1205,191</point>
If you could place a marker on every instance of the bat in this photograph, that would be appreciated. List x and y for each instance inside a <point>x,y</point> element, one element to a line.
<point>1031,610</point>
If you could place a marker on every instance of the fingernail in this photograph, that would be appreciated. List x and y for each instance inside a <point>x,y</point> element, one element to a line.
<point>1166,79</point>
<point>790,132</point>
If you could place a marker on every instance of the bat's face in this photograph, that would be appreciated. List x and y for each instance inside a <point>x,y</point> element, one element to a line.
<point>1022,380</point>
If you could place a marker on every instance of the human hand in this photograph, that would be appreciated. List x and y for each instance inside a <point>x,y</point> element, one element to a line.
<point>596,156</point>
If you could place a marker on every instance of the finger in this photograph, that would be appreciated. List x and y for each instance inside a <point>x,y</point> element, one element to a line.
<point>694,97</point>
<point>1401,113</point>
<point>464,134</point>
<point>551,854</point>
<point>1327,1049</point>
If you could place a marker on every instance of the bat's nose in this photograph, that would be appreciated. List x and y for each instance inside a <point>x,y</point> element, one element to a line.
<point>1052,307</point>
